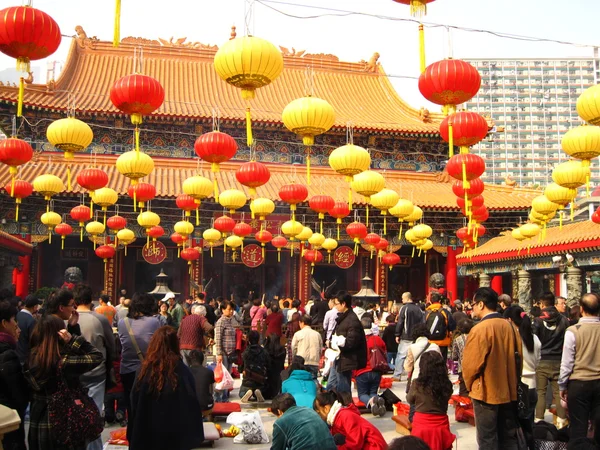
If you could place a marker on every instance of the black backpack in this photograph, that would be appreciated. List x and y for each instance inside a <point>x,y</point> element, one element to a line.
<point>437,324</point>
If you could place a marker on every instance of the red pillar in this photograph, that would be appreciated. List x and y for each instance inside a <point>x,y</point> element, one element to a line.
<point>497,284</point>
<point>451,274</point>
<point>21,277</point>
<point>557,285</point>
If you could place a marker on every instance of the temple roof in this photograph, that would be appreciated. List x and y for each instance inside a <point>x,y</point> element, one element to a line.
<point>360,93</point>
<point>427,190</point>
<point>572,238</point>
<point>15,244</point>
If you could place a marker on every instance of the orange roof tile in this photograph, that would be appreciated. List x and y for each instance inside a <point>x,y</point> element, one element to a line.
<point>193,89</point>
<point>574,237</point>
<point>427,190</point>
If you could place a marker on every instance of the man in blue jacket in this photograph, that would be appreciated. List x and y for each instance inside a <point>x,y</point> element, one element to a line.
<point>410,315</point>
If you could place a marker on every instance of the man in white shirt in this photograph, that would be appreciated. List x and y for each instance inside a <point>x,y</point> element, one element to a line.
<point>308,343</point>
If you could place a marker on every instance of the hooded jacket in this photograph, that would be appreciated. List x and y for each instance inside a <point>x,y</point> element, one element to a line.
<point>302,386</point>
<point>550,327</point>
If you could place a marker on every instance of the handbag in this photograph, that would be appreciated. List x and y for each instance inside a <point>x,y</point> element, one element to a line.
<point>378,360</point>
<point>73,416</point>
<point>522,388</point>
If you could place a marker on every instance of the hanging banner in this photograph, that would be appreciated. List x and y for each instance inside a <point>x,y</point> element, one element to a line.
<point>252,255</point>
<point>344,257</point>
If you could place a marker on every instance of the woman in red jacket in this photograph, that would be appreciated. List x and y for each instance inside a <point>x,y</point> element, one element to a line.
<point>357,432</point>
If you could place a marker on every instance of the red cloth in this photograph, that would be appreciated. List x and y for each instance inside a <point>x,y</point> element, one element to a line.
<point>360,433</point>
<point>434,429</point>
<point>191,334</point>
<point>372,342</point>
<point>274,323</point>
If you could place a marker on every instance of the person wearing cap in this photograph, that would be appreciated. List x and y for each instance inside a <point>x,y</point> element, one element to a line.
<point>26,319</point>
<point>175,309</point>
<point>458,313</point>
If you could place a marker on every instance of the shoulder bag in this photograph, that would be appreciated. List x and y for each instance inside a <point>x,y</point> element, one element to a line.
<point>133,341</point>
<point>378,360</point>
<point>522,388</point>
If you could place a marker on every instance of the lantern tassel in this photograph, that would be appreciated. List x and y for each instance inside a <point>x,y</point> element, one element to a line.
<point>49,237</point>
<point>329,257</point>
<point>350,199</point>
<point>450,139</point>
<point>425,259</point>
<point>69,177</point>
<point>197,217</point>
<point>400,232</point>
<point>422,46</point>
<point>20,97</point>
<point>80,234</point>
<point>125,250</point>
<point>62,243</point>
<point>367,213</point>
<point>338,232</point>
<point>321,226</point>
<point>17,212</point>
<point>117,31</point>
<point>249,139</point>
<point>308,166</point>
<point>263,250</point>
<point>216,189</point>
<point>413,251</point>
<point>137,141</point>
<point>418,8</point>
<point>384,224</point>
<point>278,255</point>
<point>211,251</point>
<point>466,184</point>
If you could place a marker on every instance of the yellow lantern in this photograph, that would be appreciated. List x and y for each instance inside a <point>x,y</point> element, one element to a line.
<point>425,247</point>
<point>135,165</point>
<point>385,200</point>
<point>125,237</point>
<point>402,209</point>
<point>262,207</point>
<point>105,197</point>
<point>583,143</point>
<point>349,160</point>
<point>415,216</point>
<point>422,231</point>
<point>516,234</point>
<point>248,63</point>
<point>316,240</point>
<point>329,244</point>
<point>94,229</point>
<point>588,105</point>
<point>292,228</point>
<point>70,135</point>
<point>368,183</point>
<point>211,237</point>
<point>184,228</point>
<point>530,230</point>
<point>570,174</point>
<point>233,241</point>
<point>51,220</point>
<point>232,199</point>
<point>544,207</point>
<point>48,185</point>
<point>147,220</point>
<point>308,117</point>
<point>562,196</point>
<point>304,236</point>
<point>198,188</point>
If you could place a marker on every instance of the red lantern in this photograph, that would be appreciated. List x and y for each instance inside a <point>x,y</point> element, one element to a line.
<point>105,252</point>
<point>92,179</point>
<point>480,214</point>
<point>476,187</point>
<point>390,259</point>
<point>215,147</point>
<point>279,242</point>
<point>190,254</point>
<point>178,240</point>
<point>339,211</point>
<point>116,223</point>
<point>314,257</point>
<point>187,203</point>
<point>155,232</point>
<point>141,193</point>
<point>475,202</point>
<point>596,216</point>
<point>465,167</point>
<point>137,95</point>
<point>19,189</point>
<point>293,194</point>
<point>224,224</point>
<point>263,236</point>
<point>468,128</point>
<point>252,175</point>
<point>372,239</point>
<point>357,231</point>
<point>64,229</point>
<point>477,232</point>
<point>462,234</point>
<point>14,153</point>
<point>321,204</point>
<point>449,82</point>
<point>382,244</point>
<point>242,229</point>
<point>81,214</point>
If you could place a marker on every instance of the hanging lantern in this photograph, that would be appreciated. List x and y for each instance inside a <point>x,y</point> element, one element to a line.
<point>402,209</point>
<point>308,117</point>
<point>368,183</point>
<point>356,231</point>
<point>571,174</point>
<point>190,254</point>
<point>291,229</point>
<point>147,220</point>
<point>92,179</point>
<point>293,194</point>
<point>316,240</point>
<point>141,193</point>
<point>596,216</point>
<point>137,95</point>
<point>125,237</point>
<point>187,203</point>
<point>422,231</point>
<point>14,153</point>
<point>530,230</point>
<point>371,240</point>
<point>28,34</point>
<point>104,198</point>
<point>415,216</point>
<point>476,187</point>
<point>211,238</point>
<point>314,257</point>
<point>544,206</point>
<point>155,232</point>
<point>232,199</point>
<point>480,214</point>
<point>583,143</point>
<point>588,105</point>
<point>178,240</point>
<point>48,185</point>
<point>18,190</point>
<point>215,147</point>
<point>184,229</point>
<point>465,167</point>
<point>463,129</point>
<point>279,242</point>
<point>70,135</point>
<point>349,160</point>
<point>449,83</point>
<point>199,188</point>
<point>382,247</point>
<point>338,212</point>
<point>242,229</point>
<point>418,8</point>
<point>134,165</point>
<point>224,224</point>
<point>233,241</point>
<point>384,201</point>
<point>105,252</point>
<point>262,207</point>
<point>321,204</point>
<point>51,220</point>
<point>252,175</point>
<point>116,223</point>
<point>248,63</point>
<point>264,237</point>
<point>428,245</point>
<point>63,229</point>
<point>475,202</point>
<point>304,236</point>
<point>561,196</point>
<point>390,259</point>
<point>95,229</point>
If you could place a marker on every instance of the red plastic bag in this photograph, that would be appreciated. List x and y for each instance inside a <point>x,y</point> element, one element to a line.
<point>118,437</point>
<point>219,373</point>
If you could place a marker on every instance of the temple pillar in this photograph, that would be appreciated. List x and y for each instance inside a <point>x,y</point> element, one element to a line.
<point>451,274</point>
<point>497,284</point>
<point>557,285</point>
<point>524,289</point>
<point>484,280</point>
<point>381,273</point>
<point>574,286</point>
<point>21,272</point>
<point>109,278</point>
<point>304,278</point>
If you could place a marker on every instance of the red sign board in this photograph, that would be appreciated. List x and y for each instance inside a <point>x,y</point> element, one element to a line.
<point>252,255</point>
<point>154,253</point>
<point>344,257</point>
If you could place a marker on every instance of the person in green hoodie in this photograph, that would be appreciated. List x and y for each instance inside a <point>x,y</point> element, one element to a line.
<point>300,384</point>
<point>298,428</point>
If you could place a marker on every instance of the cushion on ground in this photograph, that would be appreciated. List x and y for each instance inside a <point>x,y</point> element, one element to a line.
<point>224,409</point>
<point>210,432</point>
<point>403,425</point>
<point>362,408</point>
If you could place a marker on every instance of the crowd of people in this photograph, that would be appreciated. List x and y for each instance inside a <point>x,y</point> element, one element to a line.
<point>150,372</point>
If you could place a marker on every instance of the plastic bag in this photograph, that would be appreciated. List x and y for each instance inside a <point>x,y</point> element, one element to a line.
<point>226,382</point>
<point>219,372</point>
<point>118,437</point>
<point>251,426</point>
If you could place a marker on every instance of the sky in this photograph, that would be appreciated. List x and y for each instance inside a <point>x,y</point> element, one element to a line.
<point>350,37</point>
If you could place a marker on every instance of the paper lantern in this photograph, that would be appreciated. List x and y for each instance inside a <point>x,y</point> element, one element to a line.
<point>464,129</point>
<point>562,196</point>
<point>384,200</point>
<point>105,252</point>
<point>368,183</point>
<point>263,236</point>
<point>233,241</point>
<point>215,147</point>
<point>390,259</point>
<point>190,254</point>
<point>357,231</point>
<point>63,229</point>
<point>293,194</point>
<point>248,63</point>
<point>476,187</point>
<point>232,199</point>
<point>134,165</point>
<point>544,206</point>
<point>291,229</point>
<point>316,240</point>
<point>155,232</point>
<point>583,143</point>
<point>422,231</point>
<point>18,189</point>
<point>125,237</point>
<point>224,224</point>
<point>304,236</point>
<point>262,207</point>
<point>308,117</point>
<point>104,198</point>
<point>329,244</point>
<point>198,188</point>
<point>91,179</point>
<point>253,174</point>
<point>588,105</point>
<point>349,160</point>
<point>186,203</point>
<point>211,238</point>
<point>137,95</point>
<point>147,220</point>
<point>402,209</point>
<point>371,240</point>
<point>115,224</point>
<point>51,220</point>
<point>414,216</point>
<point>242,229</point>
<point>14,153</point>
<point>48,185</point>
<point>314,257</point>
<point>338,212</point>
<point>95,229</point>
<point>279,242</point>
<point>321,204</point>
<point>141,193</point>
<point>425,247</point>
<point>184,229</point>
<point>596,217</point>
<point>465,167</point>
<point>570,174</point>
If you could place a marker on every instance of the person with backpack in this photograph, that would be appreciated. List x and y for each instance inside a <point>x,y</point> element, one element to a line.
<point>409,317</point>
<point>440,323</point>
<point>369,377</point>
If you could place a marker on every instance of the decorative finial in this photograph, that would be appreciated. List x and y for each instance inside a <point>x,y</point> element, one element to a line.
<point>233,34</point>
